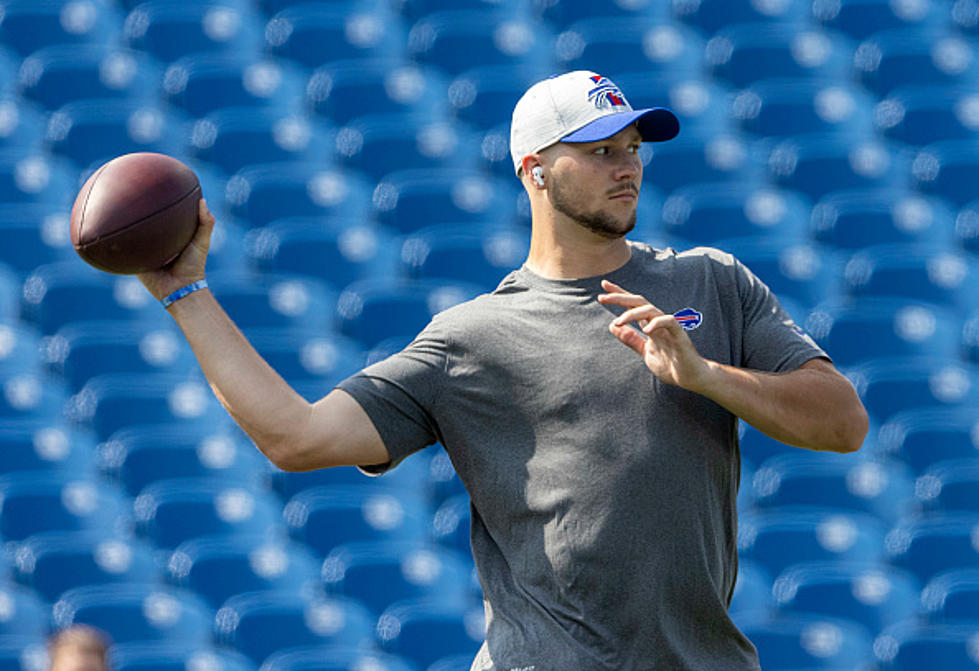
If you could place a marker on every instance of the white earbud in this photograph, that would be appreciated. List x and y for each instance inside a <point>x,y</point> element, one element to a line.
<point>538,173</point>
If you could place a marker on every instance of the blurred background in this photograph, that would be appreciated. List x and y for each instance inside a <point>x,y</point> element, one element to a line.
<point>355,153</point>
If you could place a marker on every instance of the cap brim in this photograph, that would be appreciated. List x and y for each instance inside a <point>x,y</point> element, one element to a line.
<point>656,124</point>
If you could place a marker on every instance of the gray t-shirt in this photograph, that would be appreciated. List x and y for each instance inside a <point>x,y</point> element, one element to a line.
<point>603,500</point>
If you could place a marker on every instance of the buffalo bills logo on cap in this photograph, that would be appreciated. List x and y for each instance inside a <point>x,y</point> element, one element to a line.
<point>605,94</point>
<point>688,318</point>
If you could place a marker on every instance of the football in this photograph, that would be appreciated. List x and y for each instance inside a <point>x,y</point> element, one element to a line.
<point>135,213</point>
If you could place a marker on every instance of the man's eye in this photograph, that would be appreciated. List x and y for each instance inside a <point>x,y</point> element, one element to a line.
<point>601,151</point>
<point>634,149</point>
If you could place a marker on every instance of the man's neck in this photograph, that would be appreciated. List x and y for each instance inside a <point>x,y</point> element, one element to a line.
<point>576,256</point>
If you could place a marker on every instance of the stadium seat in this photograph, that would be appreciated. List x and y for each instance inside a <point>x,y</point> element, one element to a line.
<point>335,658</point>
<point>923,115</point>
<point>922,438</point>
<point>28,26</point>
<point>611,45</point>
<point>970,338</point>
<point>786,642</point>
<point>840,482</point>
<point>56,75</point>
<point>484,96</point>
<point>872,594</point>
<point>169,30</point>
<point>911,646</point>
<point>967,227</point>
<point>705,213</point>
<point>258,624</point>
<point>170,512</point>
<point>451,523</point>
<point>314,34</point>
<point>308,362</point>
<point>820,164</point>
<point>203,83</point>
<point>281,301</point>
<point>31,395</point>
<point>701,105</point>
<point>38,501</point>
<point>710,16</point>
<point>21,123</point>
<point>426,631</point>
<point>781,107</point>
<point>474,255</point>
<point>54,562</point>
<point>24,613</point>
<point>859,19</point>
<point>34,234</point>
<point>326,516</point>
<point>157,656</point>
<point>307,192</point>
<point>139,455</point>
<point>893,59</point>
<point>458,40</point>
<point>20,346</point>
<point>866,217</point>
<point>372,311</point>
<point>35,177</point>
<point>930,545</point>
<point>42,445</point>
<point>752,591</point>
<point>746,53</point>
<point>218,567</point>
<point>23,652</point>
<point>564,13</point>
<point>852,332</point>
<point>441,482</point>
<point>778,539</point>
<point>692,158</point>
<point>452,663</point>
<point>952,597</point>
<point>890,385</point>
<point>136,612</point>
<point>10,290</point>
<point>950,486</point>
<point>947,170</point>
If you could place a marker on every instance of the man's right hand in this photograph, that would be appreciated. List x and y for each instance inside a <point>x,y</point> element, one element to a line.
<point>189,266</point>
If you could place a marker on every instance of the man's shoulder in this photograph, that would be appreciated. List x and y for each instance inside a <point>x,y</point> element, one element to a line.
<point>697,256</point>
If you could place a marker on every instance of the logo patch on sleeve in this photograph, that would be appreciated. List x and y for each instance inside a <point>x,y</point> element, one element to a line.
<point>688,318</point>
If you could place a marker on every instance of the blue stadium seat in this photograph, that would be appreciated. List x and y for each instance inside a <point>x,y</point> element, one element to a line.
<point>458,40</point>
<point>24,612</point>
<point>970,338</point>
<point>31,395</point>
<point>281,301</point>
<point>326,516</point>
<point>35,234</point>
<point>564,13</point>
<point>780,107</point>
<point>942,278</point>
<point>40,445</point>
<point>806,273</point>
<point>852,332</point>
<point>169,30</point>
<point>259,624</point>
<point>336,251</point>
<point>611,45</point>
<point>233,138</point>
<point>308,360</point>
<point>28,26</point>
<point>380,573</point>
<point>922,115</point>
<point>701,105</point>
<point>139,455</point>
<point>218,567</point>
<point>752,591</point>
<point>967,227</point>
<point>820,164</point>
<point>169,512</point>
<point>890,385</point>
<point>860,19</point>
<point>705,213</point>
<point>710,16</point>
<point>873,594</point>
<point>451,523</point>
<point>441,482</point>
<point>911,646</point>
<point>113,401</point>
<point>10,290</point>
<point>56,75</point>
<point>922,438</point>
<point>692,158</point>
<point>930,545</point>
<point>484,96</point>
<point>787,642</point>
<point>373,311</point>
<point>452,663</point>
<point>263,193</point>
<point>476,255</point>
<point>335,658</point>
<point>950,486</point>
<point>778,539</point>
<point>23,652</point>
<point>948,170</point>
<point>202,83</point>
<point>952,597</point>
<point>865,217</point>
<point>341,91</point>
<point>426,631</point>
<point>163,656</point>
<point>136,612</point>
<point>21,123</point>
<point>38,501</point>
<point>408,200</point>
<point>746,53</point>
<point>20,346</point>
<point>314,34</point>
<point>54,562</point>
<point>28,176</point>
<point>880,488</point>
<point>893,59</point>
<point>81,350</point>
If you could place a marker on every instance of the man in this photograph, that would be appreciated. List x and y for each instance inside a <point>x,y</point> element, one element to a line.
<point>589,405</point>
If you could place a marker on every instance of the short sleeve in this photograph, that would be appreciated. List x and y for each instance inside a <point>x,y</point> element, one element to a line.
<point>399,394</point>
<point>771,340</point>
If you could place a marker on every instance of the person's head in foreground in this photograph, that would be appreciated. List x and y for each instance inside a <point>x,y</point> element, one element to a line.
<point>78,648</point>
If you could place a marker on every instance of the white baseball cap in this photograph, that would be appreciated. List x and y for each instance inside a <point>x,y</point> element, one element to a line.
<point>580,106</point>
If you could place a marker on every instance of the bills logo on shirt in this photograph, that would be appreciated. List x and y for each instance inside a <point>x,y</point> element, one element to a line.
<point>688,318</point>
<point>606,94</point>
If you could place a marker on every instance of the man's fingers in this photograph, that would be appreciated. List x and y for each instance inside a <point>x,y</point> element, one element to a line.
<point>629,337</point>
<point>642,312</point>
<point>660,322</point>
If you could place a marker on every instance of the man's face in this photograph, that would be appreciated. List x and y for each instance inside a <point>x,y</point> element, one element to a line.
<point>596,184</point>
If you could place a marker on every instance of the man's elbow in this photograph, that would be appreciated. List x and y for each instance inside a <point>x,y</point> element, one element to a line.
<point>851,430</point>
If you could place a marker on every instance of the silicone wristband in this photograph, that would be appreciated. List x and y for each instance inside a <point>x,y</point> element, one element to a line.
<point>183,291</point>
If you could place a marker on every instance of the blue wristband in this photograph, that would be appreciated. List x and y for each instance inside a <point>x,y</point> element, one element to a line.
<point>183,291</point>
